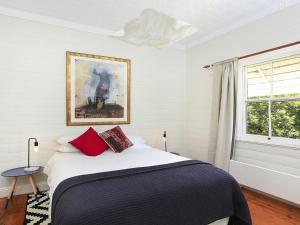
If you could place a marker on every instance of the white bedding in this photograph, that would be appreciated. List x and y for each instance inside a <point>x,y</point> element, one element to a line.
<point>65,165</point>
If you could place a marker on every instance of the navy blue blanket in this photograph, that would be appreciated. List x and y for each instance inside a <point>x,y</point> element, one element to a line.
<point>183,193</point>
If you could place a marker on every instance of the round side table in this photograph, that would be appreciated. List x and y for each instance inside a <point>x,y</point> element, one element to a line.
<point>20,172</point>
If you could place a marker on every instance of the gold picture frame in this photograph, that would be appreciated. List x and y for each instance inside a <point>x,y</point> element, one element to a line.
<point>97,89</point>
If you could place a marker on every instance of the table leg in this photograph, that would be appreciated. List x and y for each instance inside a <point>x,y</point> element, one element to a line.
<point>13,187</point>
<point>33,184</point>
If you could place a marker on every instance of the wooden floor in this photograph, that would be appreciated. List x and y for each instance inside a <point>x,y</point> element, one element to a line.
<point>267,211</point>
<point>264,211</point>
<point>15,214</point>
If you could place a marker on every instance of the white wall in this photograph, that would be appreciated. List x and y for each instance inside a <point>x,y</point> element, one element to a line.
<point>274,157</point>
<point>32,89</point>
<point>271,31</point>
<point>282,185</point>
<point>272,169</point>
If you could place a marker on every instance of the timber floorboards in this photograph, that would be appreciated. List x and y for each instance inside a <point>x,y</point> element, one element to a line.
<point>15,213</point>
<point>268,211</point>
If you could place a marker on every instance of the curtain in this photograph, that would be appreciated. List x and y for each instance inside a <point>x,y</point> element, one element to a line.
<point>223,119</point>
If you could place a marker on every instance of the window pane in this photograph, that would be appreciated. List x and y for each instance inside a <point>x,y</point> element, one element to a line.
<point>286,119</point>
<point>258,80</point>
<point>286,77</point>
<point>258,118</point>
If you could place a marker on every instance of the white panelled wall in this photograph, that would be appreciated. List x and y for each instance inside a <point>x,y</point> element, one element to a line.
<point>33,86</point>
<point>274,157</point>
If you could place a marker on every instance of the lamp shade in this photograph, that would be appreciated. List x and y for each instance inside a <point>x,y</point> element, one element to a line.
<point>154,29</point>
<point>36,146</point>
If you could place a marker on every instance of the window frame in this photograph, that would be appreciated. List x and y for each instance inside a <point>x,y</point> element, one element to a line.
<point>242,92</point>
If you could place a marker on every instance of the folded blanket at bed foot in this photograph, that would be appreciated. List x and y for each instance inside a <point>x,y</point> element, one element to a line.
<point>184,193</point>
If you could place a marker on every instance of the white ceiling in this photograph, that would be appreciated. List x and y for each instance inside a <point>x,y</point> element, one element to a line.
<point>212,17</point>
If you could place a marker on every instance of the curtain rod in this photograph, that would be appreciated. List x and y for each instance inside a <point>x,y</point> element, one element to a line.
<point>262,52</point>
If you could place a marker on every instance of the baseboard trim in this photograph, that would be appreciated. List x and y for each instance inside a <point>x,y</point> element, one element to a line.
<point>23,189</point>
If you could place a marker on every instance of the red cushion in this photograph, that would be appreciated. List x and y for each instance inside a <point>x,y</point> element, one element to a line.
<point>90,143</point>
<point>116,139</point>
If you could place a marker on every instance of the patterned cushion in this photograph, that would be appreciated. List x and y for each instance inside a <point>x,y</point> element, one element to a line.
<point>116,139</point>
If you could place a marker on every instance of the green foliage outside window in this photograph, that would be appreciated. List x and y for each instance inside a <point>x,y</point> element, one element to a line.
<point>285,117</point>
<point>257,118</point>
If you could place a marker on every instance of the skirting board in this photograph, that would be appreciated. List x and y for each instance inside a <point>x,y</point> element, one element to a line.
<point>23,189</point>
<point>278,184</point>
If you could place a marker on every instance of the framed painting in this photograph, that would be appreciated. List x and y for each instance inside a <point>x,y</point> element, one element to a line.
<point>98,90</point>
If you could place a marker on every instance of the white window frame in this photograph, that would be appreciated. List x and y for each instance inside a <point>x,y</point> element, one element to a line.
<point>241,127</point>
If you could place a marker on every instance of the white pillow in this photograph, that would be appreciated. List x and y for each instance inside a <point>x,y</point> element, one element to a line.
<point>64,140</point>
<point>66,148</point>
<point>136,139</point>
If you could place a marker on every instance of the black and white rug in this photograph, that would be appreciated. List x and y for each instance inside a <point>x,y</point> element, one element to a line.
<point>37,210</point>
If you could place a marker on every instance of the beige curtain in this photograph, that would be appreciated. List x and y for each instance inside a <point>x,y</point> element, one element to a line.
<point>223,119</point>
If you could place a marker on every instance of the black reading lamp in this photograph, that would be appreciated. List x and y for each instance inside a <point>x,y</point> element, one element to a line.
<point>165,139</point>
<point>36,149</point>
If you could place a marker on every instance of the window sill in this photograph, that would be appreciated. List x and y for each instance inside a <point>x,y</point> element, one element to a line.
<point>268,143</point>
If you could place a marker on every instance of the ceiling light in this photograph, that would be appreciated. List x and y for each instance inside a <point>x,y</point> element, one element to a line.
<point>154,29</point>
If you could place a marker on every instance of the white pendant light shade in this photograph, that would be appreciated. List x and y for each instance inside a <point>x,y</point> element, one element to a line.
<point>154,29</point>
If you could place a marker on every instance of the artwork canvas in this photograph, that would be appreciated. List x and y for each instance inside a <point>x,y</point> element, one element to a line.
<point>98,89</point>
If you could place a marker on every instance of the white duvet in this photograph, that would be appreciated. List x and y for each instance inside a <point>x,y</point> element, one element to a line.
<point>65,165</point>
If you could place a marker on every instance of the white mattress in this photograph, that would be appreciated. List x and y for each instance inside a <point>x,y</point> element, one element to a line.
<point>65,165</point>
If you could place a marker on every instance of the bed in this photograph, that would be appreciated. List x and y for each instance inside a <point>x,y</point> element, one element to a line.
<point>67,171</point>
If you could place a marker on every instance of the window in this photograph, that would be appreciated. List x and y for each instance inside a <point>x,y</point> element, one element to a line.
<point>271,100</point>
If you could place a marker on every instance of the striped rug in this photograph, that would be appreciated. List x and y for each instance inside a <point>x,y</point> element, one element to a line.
<point>37,210</point>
